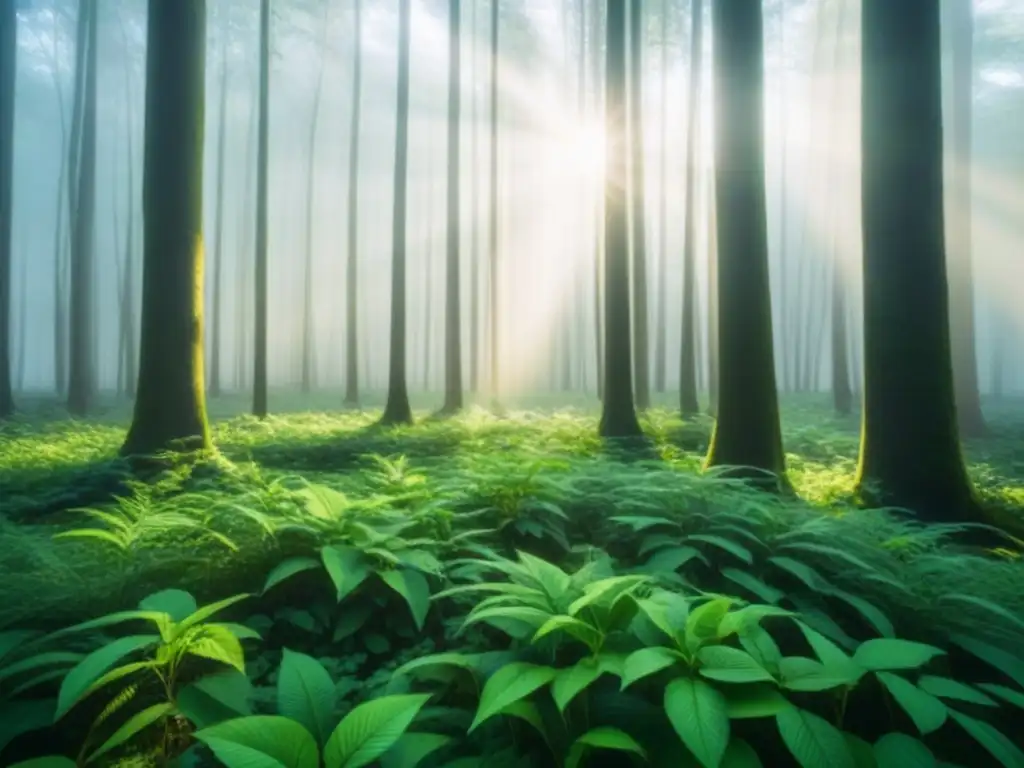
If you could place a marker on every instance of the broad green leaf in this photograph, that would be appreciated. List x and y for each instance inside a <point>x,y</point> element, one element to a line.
<point>217,642</point>
<point>753,701</point>
<point>890,653</point>
<point>47,659</point>
<point>207,611</point>
<point>1008,663</point>
<point>758,643</point>
<point>897,750</point>
<point>456,660</point>
<point>671,559</point>
<point>527,711</point>
<point>798,673</point>
<point>945,688</point>
<point>754,585</point>
<point>643,522</point>
<point>24,716</point>
<point>646,662</point>
<point>700,716</point>
<point>667,611</point>
<point>176,603</point>
<point>137,723</point>
<point>412,748</point>
<point>371,729</point>
<point>347,567</point>
<point>215,698</point>
<point>927,712</point>
<point>871,613</point>
<point>509,684</point>
<point>803,572</point>
<point>94,666</point>
<point>352,619</point>
<point>12,639</point>
<point>835,659</point>
<point>813,741</point>
<point>550,578</point>
<point>604,592</point>
<point>862,752</point>
<point>286,569</point>
<point>158,618</point>
<point>571,680</point>
<point>987,605</point>
<point>730,665</point>
<point>748,617</point>
<point>531,617</point>
<point>739,754</point>
<point>603,737</point>
<point>261,741</point>
<point>305,693</point>
<point>1006,694</point>
<point>702,623</point>
<point>412,587</point>
<point>573,627</point>
<point>727,545</point>
<point>994,742</point>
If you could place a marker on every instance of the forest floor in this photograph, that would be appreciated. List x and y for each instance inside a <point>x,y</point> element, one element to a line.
<point>79,538</point>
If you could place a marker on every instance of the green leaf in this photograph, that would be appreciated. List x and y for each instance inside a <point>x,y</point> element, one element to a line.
<point>550,578</point>
<point>889,653</point>
<point>526,711</point>
<point>412,748</point>
<point>305,693</point>
<point>215,698</point>
<point>835,659</point>
<point>605,592</point>
<point>927,712</point>
<point>945,688</point>
<point>862,753</point>
<point>667,611</point>
<point>643,522</point>
<point>347,567</point>
<point>158,618</point>
<point>412,587</point>
<point>987,605</point>
<point>207,611</point>
<point>803,572</point>
<point>730,665</point>
<point>758,643</point>
<point>897,750</point>
<point>755,701</point>
<point>798,673</point>
<point>14,638</point>
<point>702,623</point>
<point>671,559</point>
<point>509,684</point>
<point>371,729</point>
<point>1009,664</point>
<point>813,741</point>
<point>994,742</point>
<point>217,642</point>
<point>700,716</point>
<point>603,737</point>
<point>137,723</point>
<point>532,617</point>
<point>456,660</point>
<point>176,603</point>
<point>725,544</point>
<point>1006,694</point>
<point>571,680</point>
<point>580,630</point>
<point>739,754</point>
<point>646,662</point>
<point>96,664</point>
<point>261,741</point>
<point>48,659</point>
<point>351,621</point>
<point>21,717</point>
<point>748,617</point>
<point>871,613</point>
<point>286,569</point>
<point>754,585</point>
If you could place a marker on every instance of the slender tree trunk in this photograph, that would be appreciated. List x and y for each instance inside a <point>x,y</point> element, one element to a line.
<point>128,330</point>
<point>787,307</point>
<point>599,220</point>
<point>60,239</point>
<point>453,277</point>
<point>998,357</point>
<point>618,414</point>
<point>474,251</point>
<point>495,309</point>
<point>246,264</point>
<point>842,395</point>
<point>119,270</point>
<point>259,377</point>
<point>661,323</point>
<point>688,403</point>
<point>581,108</point>
<point>170,410</point>
<point>218,235</point>
<point>641,355</point>
<point>397,409</point>
<point>8,80</point>
<point>22,322</point>
<point>747,432</point>
<point>910,447</point>
<point>427,343</point>
<point>352,264</point>
<point>712,256</point>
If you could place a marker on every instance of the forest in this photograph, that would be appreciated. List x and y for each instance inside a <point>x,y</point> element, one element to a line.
<point>519,383</point>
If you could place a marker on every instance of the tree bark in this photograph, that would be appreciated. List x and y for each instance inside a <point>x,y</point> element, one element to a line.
<point>218,235</point>
<point>495,351</point>
<point>352,264</point>
<point>453,278</point>
<point>641,355</point>
<point>259,377</point>
<point>661,321</point>
<point>474,248</point>
<point>8,79</point>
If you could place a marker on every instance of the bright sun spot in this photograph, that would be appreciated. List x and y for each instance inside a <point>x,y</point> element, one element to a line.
<point>586,147</point>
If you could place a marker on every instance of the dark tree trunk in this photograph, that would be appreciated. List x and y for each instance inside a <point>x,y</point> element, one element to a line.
<point>618,415</point>
<point>495,352</point>
<point>128,329</point>
<point>599,221</point>
<point>259,376</point>
<point>170,409</point>
<point>661,322</point>
<point>910,447</point>
<point>81,374</point>
<point>453,278</point>
<point>397,409</point>
<point>8,78</point>
<point>641,356</point>
<point>218,262</point>
<point>60,237</point>
<point>688,403</point>
<point>352,264</point>
<point>712,256</point>
<point>842,395</point>
<point>747,432</point>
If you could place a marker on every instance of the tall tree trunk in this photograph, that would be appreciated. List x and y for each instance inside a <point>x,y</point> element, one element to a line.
<point>170,410</point>
<point>960,225</point>
<point>453,277</point>
<point>218,235</point>
<point>599,219</point>
<point>474,249</point>
<point>119,270</point>
<point>246,264</point>
<point>842,395</point>
<point>910,447</point>
<point>583,277</point>
<point>397,409</point>
<point>712,257</point>
<point>495,351</point>
<point>22,372</point>
<point>747,432</point>
<point>60,238</point>
<point>128,329</point>
<point>81,374</point>
<point>352,263</point>
<point>427,343</point>
<point>787,306</point>
<point>641,355</point>
<point>688,403</point>
<point>661,322</point>
<point>618,414</point>
<point>259,377</point>
<point>8,79</point>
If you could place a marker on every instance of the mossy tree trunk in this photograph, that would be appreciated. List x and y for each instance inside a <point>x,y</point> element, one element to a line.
<point>397,409</point>
<point>8,77</point>
<point>618,414</point>
<point>259,376</point>
<point>352,255</point>
<point>641,355</point>
<point>910,448</point>
<point>453,300</point>
<point>170,406</point>
<point>747,431</point>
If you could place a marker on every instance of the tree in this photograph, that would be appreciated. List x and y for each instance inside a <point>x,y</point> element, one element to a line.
<point>170,407</point>
<point>218,264</point>
<point>397,409</point>
<point>618,414</point>
<point>8,78</point>
<point>474,249</point>
<point>641,361</point>
<point>747,432</point>
<point>259,379</point>
<point>960,223</point>
<point>453,309</point>
<point>910,449</point>
<point>493,211</point>
<point>842,394</point>
<point>688,404</point>
<point>352,264</point>
<point>661,321</point>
